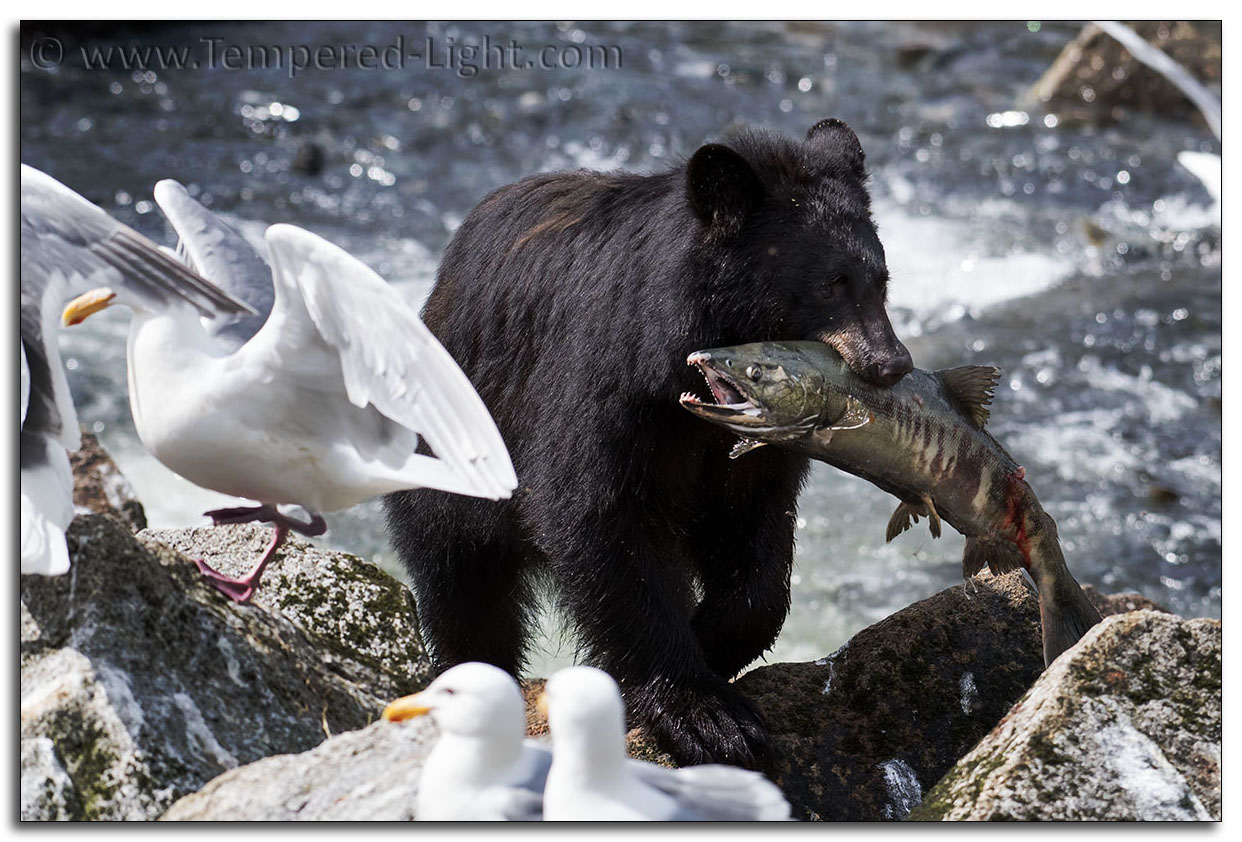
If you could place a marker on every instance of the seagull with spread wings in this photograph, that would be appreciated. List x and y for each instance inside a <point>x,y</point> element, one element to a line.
<point>320,400</point>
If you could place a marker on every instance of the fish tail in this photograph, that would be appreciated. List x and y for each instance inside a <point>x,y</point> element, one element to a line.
<point>1066,615</point>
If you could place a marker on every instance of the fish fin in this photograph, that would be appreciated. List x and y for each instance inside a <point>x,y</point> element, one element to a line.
<point>1064,625</point>
<point>999,555</point>
<point>900,521</point>
<point>744,446</point>
<point>973,387</point>
<point>856,415</point>
<point>933,517</point>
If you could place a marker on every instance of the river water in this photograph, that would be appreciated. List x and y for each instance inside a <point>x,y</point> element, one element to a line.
<point>1081,259</point>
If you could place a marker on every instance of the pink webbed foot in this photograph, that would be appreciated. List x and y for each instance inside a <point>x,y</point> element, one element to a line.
<point>240,590</point>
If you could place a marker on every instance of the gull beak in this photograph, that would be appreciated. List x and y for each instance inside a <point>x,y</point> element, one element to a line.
<point>87,304</point>
<point>407,707</point>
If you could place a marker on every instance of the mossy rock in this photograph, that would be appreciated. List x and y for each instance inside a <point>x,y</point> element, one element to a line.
<point>1125,726</point>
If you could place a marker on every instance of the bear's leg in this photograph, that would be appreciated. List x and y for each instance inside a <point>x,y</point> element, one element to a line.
<point>744,575</point>
<point>630,600</point>
<point>467,574</point>
<point>745,542</point>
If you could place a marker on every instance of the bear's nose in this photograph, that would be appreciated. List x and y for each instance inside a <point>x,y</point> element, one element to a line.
<point>895,367</point>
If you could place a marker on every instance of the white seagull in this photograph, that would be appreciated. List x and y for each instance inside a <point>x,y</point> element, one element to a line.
<point>592,779</point>
<point>319,401</point>
<point>481,769</point>
<point>69,245</point>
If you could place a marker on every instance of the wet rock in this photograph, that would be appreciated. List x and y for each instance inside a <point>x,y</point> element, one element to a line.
<point>100,487</point>
<point>309,159</point>
<point>139,683</point>
<point>1095,79</point>
<point>366,775</point>
<point>1125,726</point>
<point>864,732</point>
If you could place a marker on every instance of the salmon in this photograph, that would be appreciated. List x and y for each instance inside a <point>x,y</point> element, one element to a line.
<point>923,440</point>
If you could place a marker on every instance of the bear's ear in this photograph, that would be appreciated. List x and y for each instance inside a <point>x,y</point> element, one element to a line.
<point>722,187</point>
<point>837,141</point>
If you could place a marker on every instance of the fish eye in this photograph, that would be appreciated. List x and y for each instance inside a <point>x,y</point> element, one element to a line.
<point>754,372</point>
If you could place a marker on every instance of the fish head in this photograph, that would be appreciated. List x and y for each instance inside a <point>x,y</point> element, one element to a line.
<point>766,391</point>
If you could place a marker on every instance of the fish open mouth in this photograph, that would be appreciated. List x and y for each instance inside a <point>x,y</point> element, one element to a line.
<point>731,401</point>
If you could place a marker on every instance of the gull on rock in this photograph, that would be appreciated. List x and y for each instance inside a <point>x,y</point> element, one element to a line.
<point>69,245</point>
<point>317,399</point>
<point>481,769</point>
<point>592,779</point>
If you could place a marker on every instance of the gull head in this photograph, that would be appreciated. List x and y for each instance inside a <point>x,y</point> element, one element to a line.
<point>584,701</point>
<point>472,699</point>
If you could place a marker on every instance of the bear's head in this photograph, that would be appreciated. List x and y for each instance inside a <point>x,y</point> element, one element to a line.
<point>789,223</point>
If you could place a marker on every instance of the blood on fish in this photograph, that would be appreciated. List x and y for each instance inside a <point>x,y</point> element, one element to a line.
<point>1014,518</point>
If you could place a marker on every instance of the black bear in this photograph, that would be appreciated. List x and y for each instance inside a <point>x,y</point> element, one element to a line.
<point>571,300</point>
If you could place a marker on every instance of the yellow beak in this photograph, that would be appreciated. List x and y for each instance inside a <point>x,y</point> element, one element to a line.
<point>407,707</point>
<point>87,304</point>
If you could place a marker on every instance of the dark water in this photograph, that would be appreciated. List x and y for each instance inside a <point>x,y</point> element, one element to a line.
<point>1083,260</point>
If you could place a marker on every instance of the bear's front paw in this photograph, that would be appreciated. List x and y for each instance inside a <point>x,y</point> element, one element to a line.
<point>709,724</point>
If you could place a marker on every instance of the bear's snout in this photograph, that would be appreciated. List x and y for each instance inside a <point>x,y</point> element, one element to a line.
<point>886,372</point>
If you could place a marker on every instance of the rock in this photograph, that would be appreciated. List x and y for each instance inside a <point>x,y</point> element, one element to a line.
<point>100,487</point>
<point>1095,79</point>
<point>1125,726</point>
<point>309,159</point>
<point>1119,603</point>
<point>864,732</point>
<point>139,683</point>
<point>362,620</point>
<point>367,775</point>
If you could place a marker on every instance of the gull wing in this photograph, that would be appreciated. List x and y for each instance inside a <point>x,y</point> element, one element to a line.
<point>522,799</point>
<point>716,792</point>
<point>391,360</point>
<point>66,239</point>
<point>213,249</point>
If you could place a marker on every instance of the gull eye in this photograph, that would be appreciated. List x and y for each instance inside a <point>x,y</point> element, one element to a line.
<point>754,372</point>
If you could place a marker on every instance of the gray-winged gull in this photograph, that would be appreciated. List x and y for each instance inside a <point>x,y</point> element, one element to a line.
<point>481,769</point>
<point>67,246</point>
<point>591,778</point>
<point>318,403</point>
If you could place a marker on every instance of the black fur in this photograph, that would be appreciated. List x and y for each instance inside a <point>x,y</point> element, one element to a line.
<point>572,300</point>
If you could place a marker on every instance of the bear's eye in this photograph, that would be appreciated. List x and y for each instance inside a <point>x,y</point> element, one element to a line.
<point>827,288</point>
<point>754,372</point>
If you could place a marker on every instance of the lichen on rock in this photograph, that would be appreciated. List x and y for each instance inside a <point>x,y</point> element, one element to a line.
<point>140,683</point>
<point>1125,726</point>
